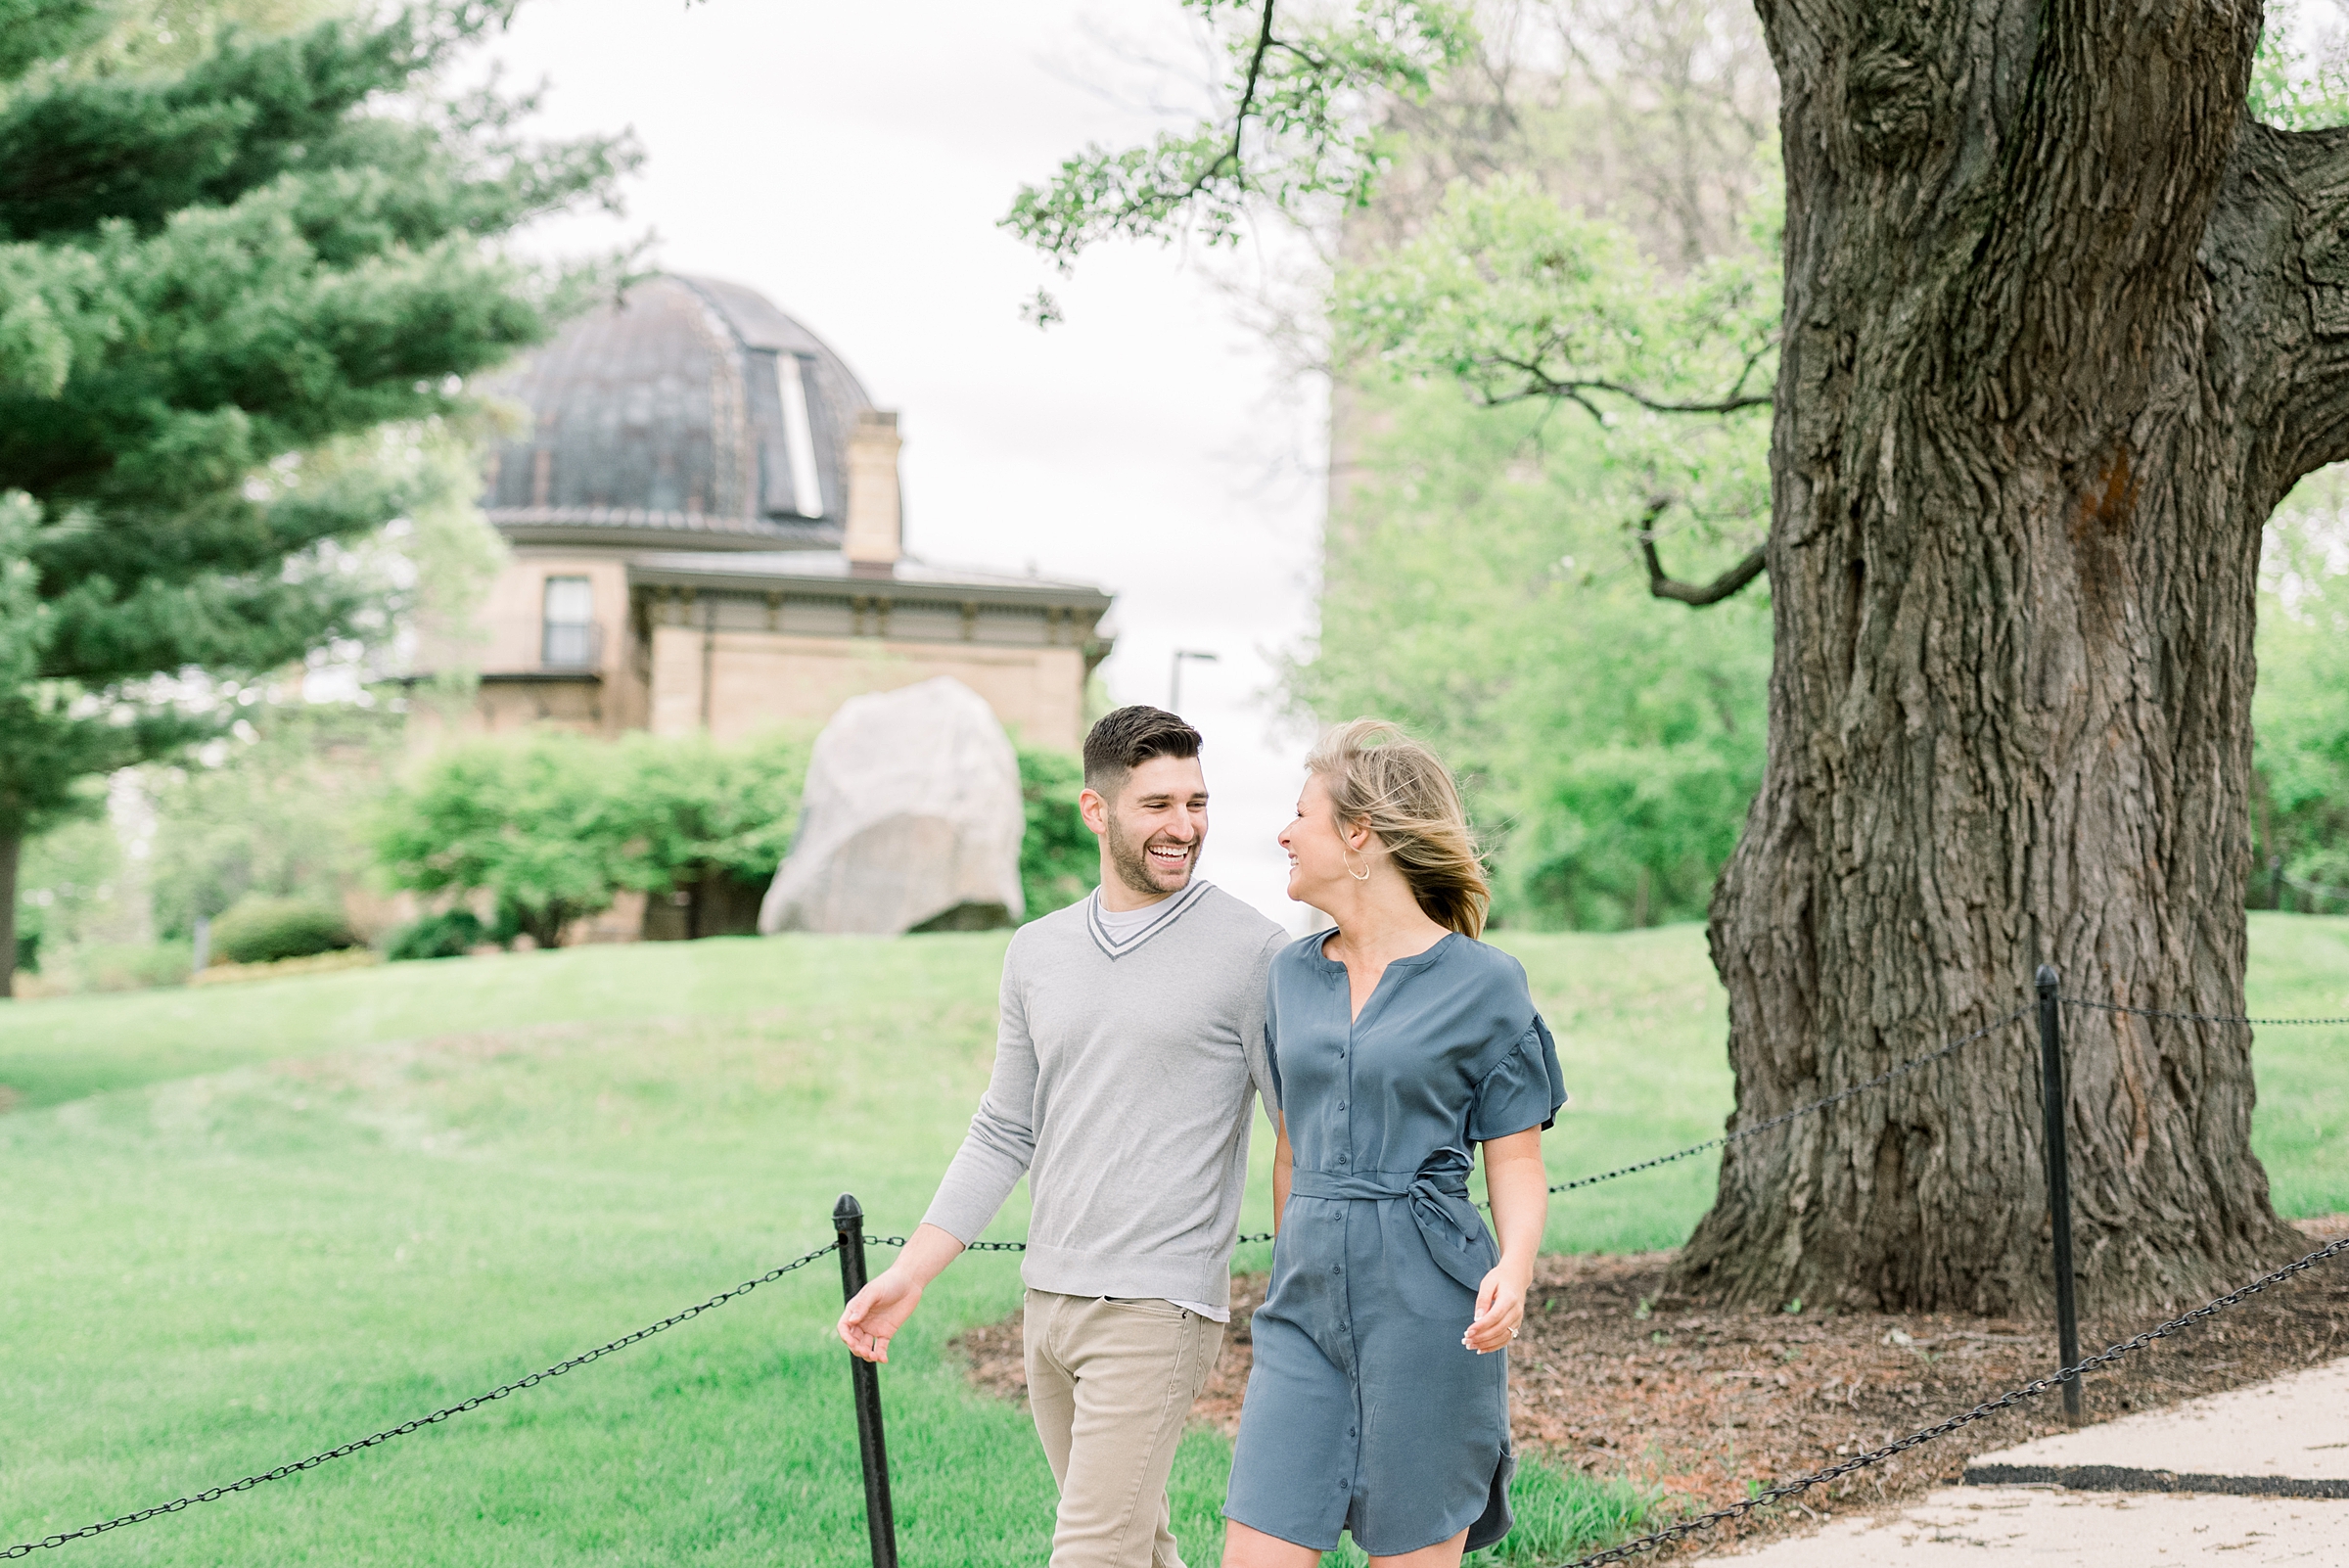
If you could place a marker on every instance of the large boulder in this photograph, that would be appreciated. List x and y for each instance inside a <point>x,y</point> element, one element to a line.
<point>911,820</point>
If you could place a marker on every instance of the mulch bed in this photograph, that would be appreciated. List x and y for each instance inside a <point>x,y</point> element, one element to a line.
<point>1614,1377</point>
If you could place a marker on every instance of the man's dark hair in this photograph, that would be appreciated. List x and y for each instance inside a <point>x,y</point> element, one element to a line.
<point>1127,739</point>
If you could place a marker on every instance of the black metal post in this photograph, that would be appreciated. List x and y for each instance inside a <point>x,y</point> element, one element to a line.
<point>2059,1182</point>
<point>848,1223</point>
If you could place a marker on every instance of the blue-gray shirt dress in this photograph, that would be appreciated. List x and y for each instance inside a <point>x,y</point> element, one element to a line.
<point>1365,1412</point>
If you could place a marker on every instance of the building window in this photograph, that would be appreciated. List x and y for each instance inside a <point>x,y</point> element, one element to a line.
<point>570,640</point>
<point>799,435</point>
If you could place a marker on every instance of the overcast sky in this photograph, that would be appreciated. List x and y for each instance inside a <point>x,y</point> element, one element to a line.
<point>849,162</point>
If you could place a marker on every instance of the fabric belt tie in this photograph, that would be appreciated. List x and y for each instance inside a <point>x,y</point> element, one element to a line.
<point>1438,1193</point>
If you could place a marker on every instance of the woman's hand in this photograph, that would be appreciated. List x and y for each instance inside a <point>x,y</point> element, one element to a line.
<point>1520,1208</point>
<point>1499,1309</point>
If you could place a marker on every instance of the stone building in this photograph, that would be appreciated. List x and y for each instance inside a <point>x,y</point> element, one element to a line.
<point>708,534</point>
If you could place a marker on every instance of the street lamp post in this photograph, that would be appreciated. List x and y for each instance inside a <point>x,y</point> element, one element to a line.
<point>1174,679</point>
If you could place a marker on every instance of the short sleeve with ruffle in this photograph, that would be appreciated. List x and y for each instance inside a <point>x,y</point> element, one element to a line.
<point>1524,1091</point>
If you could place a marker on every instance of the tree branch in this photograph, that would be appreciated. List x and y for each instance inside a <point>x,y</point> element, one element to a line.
<point>2283,222</point>
<point>1541,383</point>
<point>1664,587</point>
<point>1239,119</point>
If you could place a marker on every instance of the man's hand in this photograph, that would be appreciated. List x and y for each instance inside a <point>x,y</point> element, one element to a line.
<point>879,1309</point>
<point>874,1319</point>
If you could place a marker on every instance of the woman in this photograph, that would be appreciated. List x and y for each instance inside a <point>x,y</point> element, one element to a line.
<point>1379,1401</point>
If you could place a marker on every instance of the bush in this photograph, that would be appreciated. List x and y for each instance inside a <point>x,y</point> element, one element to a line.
<point>124,966</point>
<point>552,826</point>
<point>450,933</point>
<point>1060,859</point>
<point>541,822</point>
<point>260,930</point>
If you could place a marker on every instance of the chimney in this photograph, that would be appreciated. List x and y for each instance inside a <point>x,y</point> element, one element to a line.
<point>875,535</point>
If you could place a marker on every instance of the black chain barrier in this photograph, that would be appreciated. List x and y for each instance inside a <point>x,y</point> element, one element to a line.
<point>216,1494</point>
<point>2192,1017</point>
<point>1784,1117</point>
<point>1644,1544</point>
<point>2032,1390</point>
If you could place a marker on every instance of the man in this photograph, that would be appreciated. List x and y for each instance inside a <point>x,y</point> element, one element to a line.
<point>1131,1040</point>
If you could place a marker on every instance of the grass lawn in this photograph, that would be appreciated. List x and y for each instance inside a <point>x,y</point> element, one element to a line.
<point>243,1222</point>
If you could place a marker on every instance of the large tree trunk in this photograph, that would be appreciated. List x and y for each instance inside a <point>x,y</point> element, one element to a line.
<point>2058,335</point>
<point>11,851</point>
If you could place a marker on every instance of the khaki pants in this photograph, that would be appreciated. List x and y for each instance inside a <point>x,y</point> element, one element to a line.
<point>1111,1383</point>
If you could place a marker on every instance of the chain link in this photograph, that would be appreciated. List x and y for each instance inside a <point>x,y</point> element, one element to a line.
<point>2031,1390</point>
<point>502,1391</point>
<point>1784,1117</point>
<point>2192,1018</point>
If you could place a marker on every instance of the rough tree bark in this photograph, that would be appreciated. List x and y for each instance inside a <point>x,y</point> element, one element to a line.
<point>2062,325</point>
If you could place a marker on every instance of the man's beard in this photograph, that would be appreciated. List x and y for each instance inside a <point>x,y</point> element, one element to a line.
<point>1132,862</point>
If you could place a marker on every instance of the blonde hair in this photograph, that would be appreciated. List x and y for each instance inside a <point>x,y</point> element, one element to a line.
<point>1378,775</point>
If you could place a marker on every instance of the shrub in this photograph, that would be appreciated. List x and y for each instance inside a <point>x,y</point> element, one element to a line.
<point>537,821</point>
<point>124,966</point>
<point>710,822</point>
<point>1060,859</point>
<point>552,826</point>
<point>450,933</point>
<point>258,930</point>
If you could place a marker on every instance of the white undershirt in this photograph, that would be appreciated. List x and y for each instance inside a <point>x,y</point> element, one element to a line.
<point>1122,923</point>
<point>1125,922</point>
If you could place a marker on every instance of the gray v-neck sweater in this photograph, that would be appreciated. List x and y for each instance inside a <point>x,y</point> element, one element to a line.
<point>1125,1066</point>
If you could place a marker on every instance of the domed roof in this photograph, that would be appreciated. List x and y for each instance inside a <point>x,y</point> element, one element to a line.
<point>692,414</point>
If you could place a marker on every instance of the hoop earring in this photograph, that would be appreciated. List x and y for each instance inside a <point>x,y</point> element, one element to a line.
<point>1364,875</point>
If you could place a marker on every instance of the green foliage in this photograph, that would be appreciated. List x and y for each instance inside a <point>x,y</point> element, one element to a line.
<point>116,966</point>
<point>450,933</point>
<point>542,824</point>
<point>224,251</point>
<point>697,808</point>
<point>258,929</point>
<point>275,808</point>
<point>1480,588</point>
<point>2300,708</point>
<point>1560,1515</point>
<point>1563,1514</point>
<point>1060,859</point>
<point>66,889</point>
<point>2298,81</point>
<point>1514,296</point>
<point>1290,130</point>
<point>553,826</point>
<point>1548,420</point>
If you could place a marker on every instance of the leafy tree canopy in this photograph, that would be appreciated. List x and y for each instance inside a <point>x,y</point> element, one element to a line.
<point>1302,128</point>
<point>218,259</point>
<point>1478,588</point>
